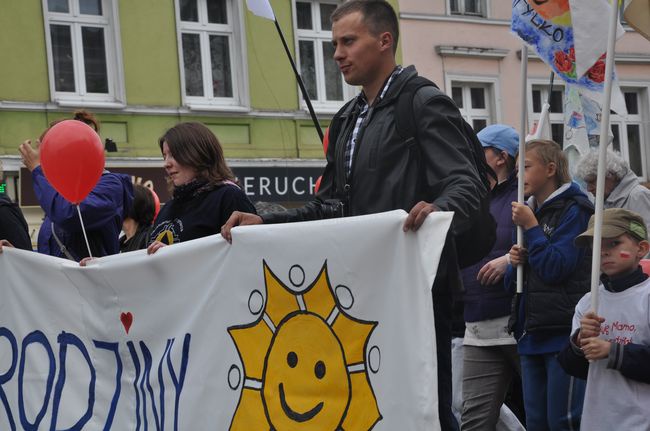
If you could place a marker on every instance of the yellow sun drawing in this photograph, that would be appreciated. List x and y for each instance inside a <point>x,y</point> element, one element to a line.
<point>304,363</point>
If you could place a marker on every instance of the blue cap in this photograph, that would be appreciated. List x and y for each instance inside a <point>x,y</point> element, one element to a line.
<point>501,137</point>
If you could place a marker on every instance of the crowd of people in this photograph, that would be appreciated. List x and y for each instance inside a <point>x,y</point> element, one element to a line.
<point>543,350</point>
<point>119,216</point>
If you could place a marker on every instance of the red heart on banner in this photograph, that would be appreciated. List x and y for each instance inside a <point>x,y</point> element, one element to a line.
<point>127,320</point>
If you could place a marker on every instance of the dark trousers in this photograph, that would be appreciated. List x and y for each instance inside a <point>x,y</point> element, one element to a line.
<point>552,398</point>
<point>442,312</point>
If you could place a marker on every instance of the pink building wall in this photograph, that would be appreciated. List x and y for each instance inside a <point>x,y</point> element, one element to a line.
<point>426,25</point>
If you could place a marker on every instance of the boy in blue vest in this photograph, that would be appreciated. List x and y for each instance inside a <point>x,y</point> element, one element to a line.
<point>616,340</point>
<point>556,276</point>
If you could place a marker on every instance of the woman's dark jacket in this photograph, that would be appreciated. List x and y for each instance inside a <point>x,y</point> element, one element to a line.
<point>484,302</point>
<point>13,226</point>
<point>198,209</point>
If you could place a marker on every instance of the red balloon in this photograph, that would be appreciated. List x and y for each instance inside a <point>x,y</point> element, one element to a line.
<point>72,158</point>
<point>317,186</point>
<point>156,201</point>
<point>326,140</point>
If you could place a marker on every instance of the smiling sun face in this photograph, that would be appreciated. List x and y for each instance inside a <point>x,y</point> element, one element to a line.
<point>304,363</point>
<point>305,377</point>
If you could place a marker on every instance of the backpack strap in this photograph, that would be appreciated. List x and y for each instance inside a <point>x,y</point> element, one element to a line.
<point>62,247</point>
<point>405,124</point>
<point>338,130</point>
<point>478,152</point>
<point>405,118</point>
<point>338,120</point>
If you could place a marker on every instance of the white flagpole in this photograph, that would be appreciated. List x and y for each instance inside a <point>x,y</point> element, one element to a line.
<point>83,229</point>
<point>522,149</point>
<point>602,154</point>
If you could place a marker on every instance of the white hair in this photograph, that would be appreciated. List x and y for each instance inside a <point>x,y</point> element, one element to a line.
<point>615,165</point>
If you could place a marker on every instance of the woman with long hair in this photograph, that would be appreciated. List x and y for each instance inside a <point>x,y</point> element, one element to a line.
<point>204,190</point>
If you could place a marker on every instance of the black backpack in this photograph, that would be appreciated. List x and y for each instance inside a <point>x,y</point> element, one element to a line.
<point>475,243</point>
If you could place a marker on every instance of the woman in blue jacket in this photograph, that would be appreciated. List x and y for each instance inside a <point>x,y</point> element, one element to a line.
<point>103,210</point>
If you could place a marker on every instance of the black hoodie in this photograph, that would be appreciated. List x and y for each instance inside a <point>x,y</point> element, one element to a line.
<point>13,226</point>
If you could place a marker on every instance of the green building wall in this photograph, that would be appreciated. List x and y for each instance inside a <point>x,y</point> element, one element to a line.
<point>23,63</point>
<point>150,53</point>
<point>152,85</point>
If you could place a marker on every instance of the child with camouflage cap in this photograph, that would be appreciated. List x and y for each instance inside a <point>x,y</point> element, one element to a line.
<point>610,348</point>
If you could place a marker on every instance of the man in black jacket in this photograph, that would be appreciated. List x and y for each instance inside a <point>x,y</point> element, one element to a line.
<point>371,169</point>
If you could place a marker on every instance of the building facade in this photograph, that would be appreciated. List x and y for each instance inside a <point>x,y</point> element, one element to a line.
<point>143,66</point>
<point>466,47</point>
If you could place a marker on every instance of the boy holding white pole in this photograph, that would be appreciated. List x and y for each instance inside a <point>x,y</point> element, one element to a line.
<point>611,347</point>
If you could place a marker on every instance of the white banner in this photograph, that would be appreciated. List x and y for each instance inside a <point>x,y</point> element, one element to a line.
<point>325,325</point>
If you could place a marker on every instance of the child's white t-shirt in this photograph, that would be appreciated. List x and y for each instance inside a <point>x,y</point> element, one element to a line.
<point>612,401</point>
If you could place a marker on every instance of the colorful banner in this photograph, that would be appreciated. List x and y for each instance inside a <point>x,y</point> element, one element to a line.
<point>582,118</point>
<point>546,27</point>
<point>324,325</point>
<point>549,29</point>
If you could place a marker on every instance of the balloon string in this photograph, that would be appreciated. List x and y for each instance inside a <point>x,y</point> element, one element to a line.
<point>84,231</point>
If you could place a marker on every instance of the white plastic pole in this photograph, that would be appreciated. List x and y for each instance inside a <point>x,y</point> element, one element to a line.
<point>602,155</point>
<point>522,149</point>
<point>83,229</point>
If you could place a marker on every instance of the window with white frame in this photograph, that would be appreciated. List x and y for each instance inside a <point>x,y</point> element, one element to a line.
<point>211,52</point>
<point>320,73</point>
<point>474,100</point>
<point>82,50</point>
<point>629,130</point>
<point>467,7</point>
